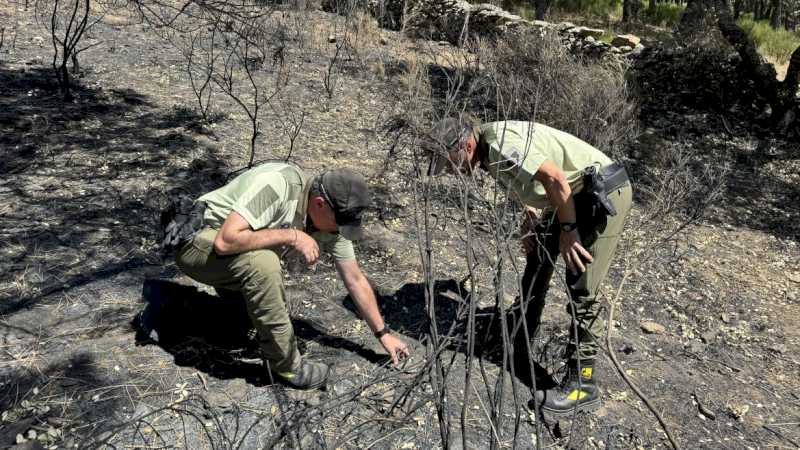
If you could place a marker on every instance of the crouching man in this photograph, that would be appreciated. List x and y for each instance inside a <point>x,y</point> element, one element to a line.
<point>585,198</point>
<point>257,218</point>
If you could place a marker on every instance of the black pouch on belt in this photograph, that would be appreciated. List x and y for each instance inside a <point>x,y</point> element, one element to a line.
<point>598,183</point>
<point>181,221</point>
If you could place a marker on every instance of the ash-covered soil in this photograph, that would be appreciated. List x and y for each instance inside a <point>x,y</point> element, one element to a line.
<point>83,184</point>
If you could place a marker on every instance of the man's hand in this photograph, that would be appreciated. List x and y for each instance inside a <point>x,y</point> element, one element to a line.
<point>573,252</point>
<point>396,347</point>
<point>306,246</point>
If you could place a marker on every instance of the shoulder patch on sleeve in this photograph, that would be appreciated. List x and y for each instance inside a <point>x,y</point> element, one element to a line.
<point>262,201</point>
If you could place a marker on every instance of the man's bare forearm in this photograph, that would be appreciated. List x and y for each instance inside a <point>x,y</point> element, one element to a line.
<point>234,242</point>
<point>560,195</point>
<point>363,296</point>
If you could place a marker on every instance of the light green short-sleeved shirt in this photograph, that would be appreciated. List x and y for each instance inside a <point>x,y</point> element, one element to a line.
<point>517,150</point>
<point>271,195</point>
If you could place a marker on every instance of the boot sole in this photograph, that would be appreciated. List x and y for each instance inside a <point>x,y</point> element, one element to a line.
<point>585,407</point>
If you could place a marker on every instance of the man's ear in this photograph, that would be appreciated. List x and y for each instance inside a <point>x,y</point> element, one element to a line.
<point>318,202</point>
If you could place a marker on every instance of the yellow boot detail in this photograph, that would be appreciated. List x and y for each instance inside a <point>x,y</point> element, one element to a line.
<point>577,395</point>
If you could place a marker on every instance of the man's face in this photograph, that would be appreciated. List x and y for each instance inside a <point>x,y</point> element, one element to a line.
<point>322,215</point>
<point>458,160</point>
<point>459,163</point>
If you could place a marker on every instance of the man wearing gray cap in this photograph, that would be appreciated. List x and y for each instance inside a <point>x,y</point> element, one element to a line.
<point>584,198</point>
<point>261,215</point>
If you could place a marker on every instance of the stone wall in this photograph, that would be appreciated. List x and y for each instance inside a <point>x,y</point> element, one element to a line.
<point>455,20</point>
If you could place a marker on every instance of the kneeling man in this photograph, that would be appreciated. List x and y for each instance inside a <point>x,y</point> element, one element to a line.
<point>260,216</point>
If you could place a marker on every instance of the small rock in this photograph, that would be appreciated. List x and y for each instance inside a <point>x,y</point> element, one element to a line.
<point>626,348</point>
<point>38,40</point>
<point>590,40</point>
<point>793,276</point>
<point>383,40</point>
<point>652,328</point>
<point>636,51</point>
<point>593,32</point>
<point>738,411</point>
<point>626,40</point>
<point>331,39</point>
<point>697,347</point>
<point>29,445</point>
<point>778,348</point>
<point>564,26</point>
<point>709,337</point>
<point>625,49</point>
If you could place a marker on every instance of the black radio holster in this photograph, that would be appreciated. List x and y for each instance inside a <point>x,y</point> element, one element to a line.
<point>594,186</point>
<point>181,221</point>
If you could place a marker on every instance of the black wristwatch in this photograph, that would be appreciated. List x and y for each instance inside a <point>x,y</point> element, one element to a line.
<point>568,226</point>
<point>382,332</point>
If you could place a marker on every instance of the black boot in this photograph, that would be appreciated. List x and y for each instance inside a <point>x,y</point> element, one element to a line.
<point>308,375</point>
<point>576,391</point>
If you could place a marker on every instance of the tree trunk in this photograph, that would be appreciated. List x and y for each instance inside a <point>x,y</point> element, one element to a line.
<point>631,10</point>
<point>737,8</point>
<point>775,19</point>
<point>780,95</point>
<point>700,15</point>
<point>541,9</point>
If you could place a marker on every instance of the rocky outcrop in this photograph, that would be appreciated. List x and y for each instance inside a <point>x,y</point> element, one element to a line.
<point>450,20</point>
<point>588,42</point>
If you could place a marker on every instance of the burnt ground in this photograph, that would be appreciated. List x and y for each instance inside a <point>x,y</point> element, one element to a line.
<point>80,194</point>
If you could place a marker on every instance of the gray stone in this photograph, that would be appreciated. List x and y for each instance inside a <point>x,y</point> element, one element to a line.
<point>590,40</point>
<point>593,32</point>
<point>564,26</point>
<point>652,327</point>
<point>626,40</point>
<point>709,337</point>
<point>636,51</point>
<point>332,39</point>
<point>625,49</point>
<point>697,347</point>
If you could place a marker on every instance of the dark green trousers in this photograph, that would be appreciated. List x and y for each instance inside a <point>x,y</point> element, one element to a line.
<point>257,275</point>
<point>599,235</point>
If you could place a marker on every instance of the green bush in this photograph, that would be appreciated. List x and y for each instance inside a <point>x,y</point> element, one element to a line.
<point>779,44</point>
<point>664,14</point>
<point>590,8</point>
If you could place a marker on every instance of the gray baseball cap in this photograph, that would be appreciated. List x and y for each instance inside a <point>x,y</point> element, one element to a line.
<point>348,195</point>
